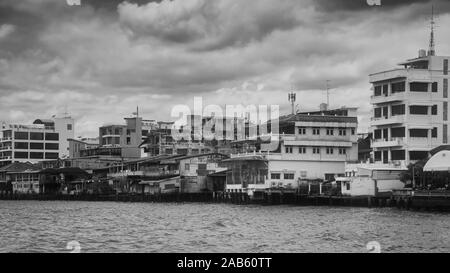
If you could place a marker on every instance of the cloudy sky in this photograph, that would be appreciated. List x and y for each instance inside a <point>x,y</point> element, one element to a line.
<point>103,58</point>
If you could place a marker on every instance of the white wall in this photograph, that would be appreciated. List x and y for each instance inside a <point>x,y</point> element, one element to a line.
<point>362,186</point>
<point>61,126</point>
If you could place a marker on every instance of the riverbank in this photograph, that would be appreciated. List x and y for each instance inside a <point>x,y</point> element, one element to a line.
<point>398,200</point>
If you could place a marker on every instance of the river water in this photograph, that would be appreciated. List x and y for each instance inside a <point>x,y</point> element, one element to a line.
<point>38,226</point>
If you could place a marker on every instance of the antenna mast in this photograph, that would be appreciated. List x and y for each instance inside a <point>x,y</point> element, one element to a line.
<point>292,98</point>
<point>328,92</point>
<point>431,49</point>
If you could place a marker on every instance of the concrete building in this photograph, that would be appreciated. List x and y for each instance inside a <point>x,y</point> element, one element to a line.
<point>42,140</point>
<point>372,180</point>
<point>310,148</point>
<point>76,146</point>
<point>410,109</point>
<point>114,142</point>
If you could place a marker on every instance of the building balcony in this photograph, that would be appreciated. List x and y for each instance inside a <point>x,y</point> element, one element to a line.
<point>5,158</point>
<point>387,120</point>
<point>384,143</point>
<point>410,74</point>
<point>6,148</point>
<point>399,96</point>
<point>6,139</point>
<point>110,135</point>
<point>419,142</point>
<point>144,173</point>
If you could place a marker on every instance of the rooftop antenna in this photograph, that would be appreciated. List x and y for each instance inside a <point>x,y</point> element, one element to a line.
<point>292,98</point>
<point>328,92</point>
<point>431,49</point>
<point>137,112</point>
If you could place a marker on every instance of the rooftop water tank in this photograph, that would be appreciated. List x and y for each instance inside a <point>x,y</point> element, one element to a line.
<point>422,53</point>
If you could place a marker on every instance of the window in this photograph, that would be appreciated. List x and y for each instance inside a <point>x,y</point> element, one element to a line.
<point>445,111</point>
<point>377,112</point>
<point>187,167</point>
<point>289,150</point>
<point>21,145</point>
<point>316,150</point>
<point>342,151</point>
<point>289,176</point>
<point>51,136</point>
<point>51,155</point>
<point>316,131</point>
<point>434,132</point>
<point>128,140</point>
<point>35,155</point>
<point>377,155</point>
<point>302,131</point>
<point>377,90</point>
<point>398,87</point>
<point>444,133</point>
<point>51,146</point>
<point>353,131</point>
<point>36,136</point>
<point>275,176</point>
<point>330,151</point>
<point>330,132</point>
<point>21,135</point>
<point>418,110</point>
<point>36,146</point>
<point>385,89</point>
<point>377,134</point>
<point>342,132</point>
<point>302,150</point>
<point>434,87</point>
<point>69,127</point>
<point>434,110</point>
<point>423,133</point>
<point>398,110</point>
<point>418,87</point>
<point>398,132</point>
<point>446,67</point>
<point>445,88</point>
<point>418,155</point>
<point>21,155</point>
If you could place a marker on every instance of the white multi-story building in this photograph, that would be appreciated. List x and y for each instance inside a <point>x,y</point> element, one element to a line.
<point>410,109</point>
<point>42,140</point>
<point>311,147</point>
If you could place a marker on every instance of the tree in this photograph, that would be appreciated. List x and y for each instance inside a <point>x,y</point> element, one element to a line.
<point>415,169</point>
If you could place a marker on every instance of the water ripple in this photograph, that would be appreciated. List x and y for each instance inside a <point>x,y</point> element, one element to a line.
<point>33,226</point>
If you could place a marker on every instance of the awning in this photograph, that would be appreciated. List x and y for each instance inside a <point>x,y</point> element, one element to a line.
<point>440,162</point>
<point>153,182</point>
<point>245,158</point>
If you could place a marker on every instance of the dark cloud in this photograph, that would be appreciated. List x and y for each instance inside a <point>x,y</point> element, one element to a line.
<point>105,57</point>
<point>209,25</point>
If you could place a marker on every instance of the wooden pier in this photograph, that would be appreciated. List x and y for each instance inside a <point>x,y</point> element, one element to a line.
<point>402,199</point>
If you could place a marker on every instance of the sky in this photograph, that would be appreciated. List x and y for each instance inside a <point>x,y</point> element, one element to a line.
<point>100,60</point>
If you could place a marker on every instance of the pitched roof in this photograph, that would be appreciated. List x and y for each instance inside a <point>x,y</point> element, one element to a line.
<point>18,167</point>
